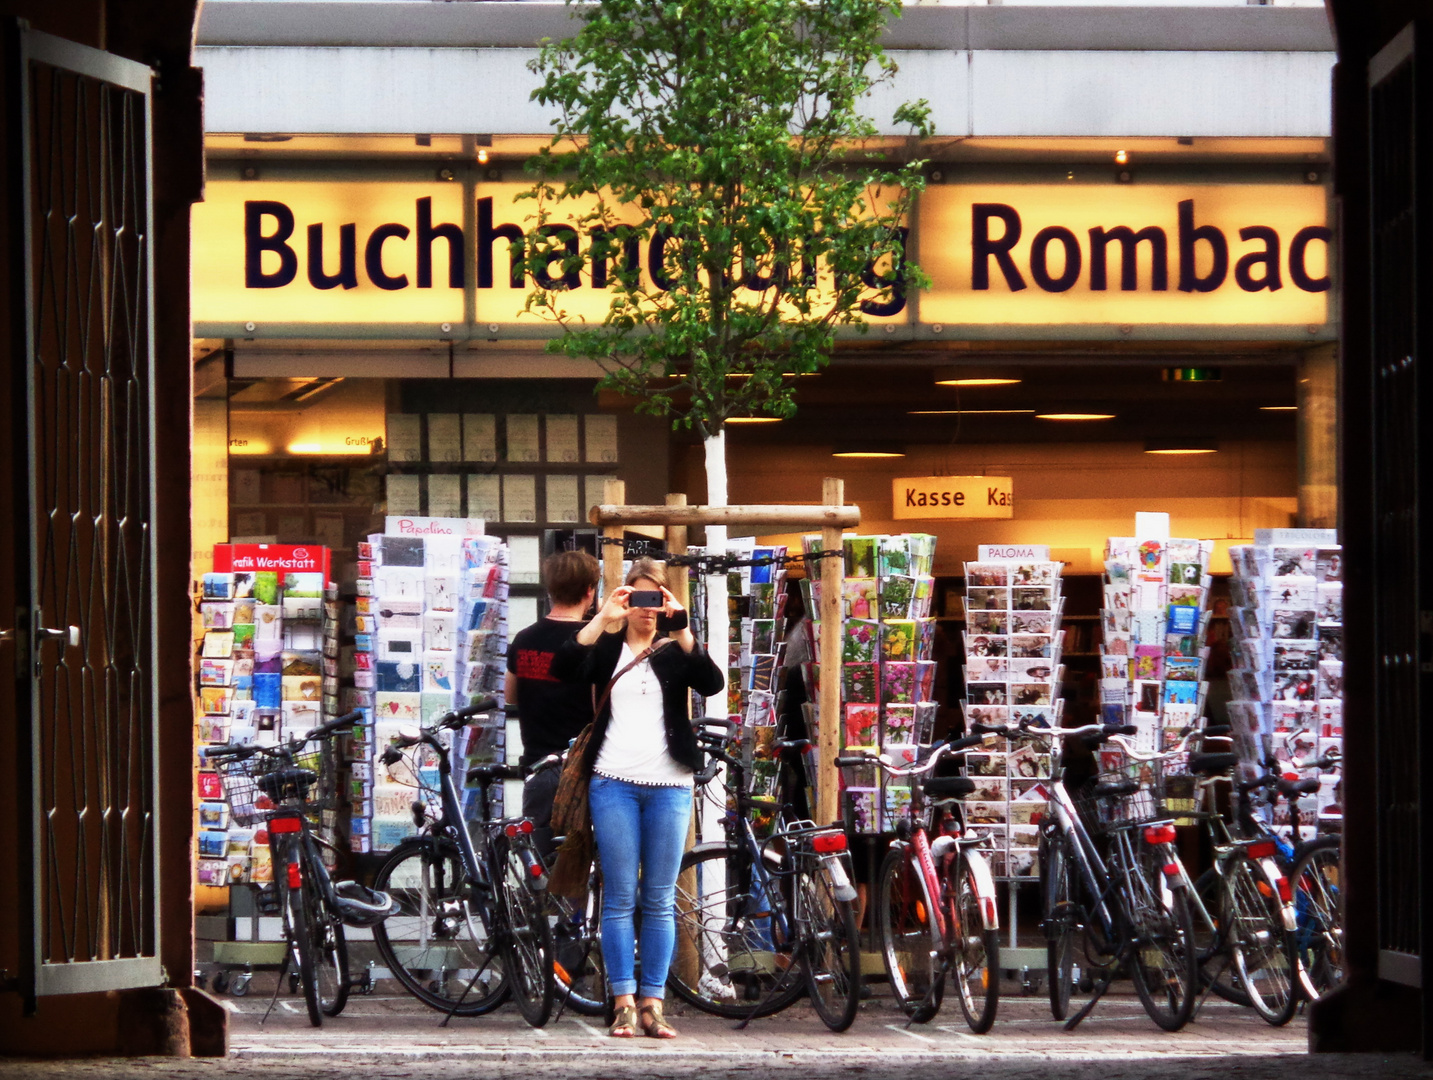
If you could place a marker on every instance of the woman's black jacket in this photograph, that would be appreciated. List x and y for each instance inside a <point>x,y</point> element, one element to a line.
<point>677,673</point>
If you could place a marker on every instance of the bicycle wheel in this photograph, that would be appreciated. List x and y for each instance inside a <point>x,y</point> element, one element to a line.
<point>435,942</point>
<point>1056,882</point>
<point>1318,906</point>
<point>577,967</point>
<point>909,948</point>
<point>732,958</point>
<point>329,947</point>
<point>832,948</point>
<point>1211,940</point>
<point>527,945</point>
<point>301,944</point>
<point>1261,949</point>
<point>974,952</point>
<point>1166,966</point>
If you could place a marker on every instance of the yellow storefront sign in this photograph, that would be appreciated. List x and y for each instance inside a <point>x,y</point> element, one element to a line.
<point>294,253</point>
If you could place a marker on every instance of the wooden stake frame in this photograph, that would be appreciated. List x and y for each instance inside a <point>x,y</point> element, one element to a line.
<point>831,516</point>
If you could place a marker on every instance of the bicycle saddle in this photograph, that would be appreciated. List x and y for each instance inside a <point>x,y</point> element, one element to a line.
<point>284,783</point>
<point>484,774</point>
<point>1212,764</point>
<point>949,787</point>
<point>1292,789</point>
<point>360,906</point>
<point>1113,791</point>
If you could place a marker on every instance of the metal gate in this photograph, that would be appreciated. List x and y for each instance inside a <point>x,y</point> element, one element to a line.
<point>1398,93</point>
<point>87,640</point>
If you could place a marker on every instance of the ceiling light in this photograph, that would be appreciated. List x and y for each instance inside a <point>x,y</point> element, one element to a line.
<point>868,450</point>
<point>754,419</point>
<point>1181,446</point>
<point>1121,157</point>
<point>1074,416</point>
<point>1278,408</point>
<point>966,376</point>
<point>970,412</point>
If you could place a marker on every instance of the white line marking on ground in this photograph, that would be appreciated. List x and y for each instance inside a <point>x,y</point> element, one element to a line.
<point>1082,1053</point>
<point>589,1028</point>
<point>903,1030</point>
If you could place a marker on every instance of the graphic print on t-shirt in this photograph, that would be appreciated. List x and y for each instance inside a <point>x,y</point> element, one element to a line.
<point>533,664</point>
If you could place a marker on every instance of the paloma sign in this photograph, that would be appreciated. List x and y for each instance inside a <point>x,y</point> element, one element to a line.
<point>924,497</point>
<point>301,252</point>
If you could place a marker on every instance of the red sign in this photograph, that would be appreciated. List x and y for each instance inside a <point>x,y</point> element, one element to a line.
<point>293,558</point>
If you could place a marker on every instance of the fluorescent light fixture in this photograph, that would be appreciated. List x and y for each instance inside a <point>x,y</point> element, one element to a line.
<point>754,419</point>
<point>1278,408</point>
<point>970,376</point>
<point>1181,446</point>
<point>1074,416</point>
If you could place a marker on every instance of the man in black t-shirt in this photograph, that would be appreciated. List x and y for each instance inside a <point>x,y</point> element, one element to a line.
<point>550,713</point>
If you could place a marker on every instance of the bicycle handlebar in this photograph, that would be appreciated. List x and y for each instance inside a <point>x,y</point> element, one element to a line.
<point>938,751</point>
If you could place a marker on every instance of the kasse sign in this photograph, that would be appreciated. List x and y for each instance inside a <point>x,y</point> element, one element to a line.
<point>925,497</point>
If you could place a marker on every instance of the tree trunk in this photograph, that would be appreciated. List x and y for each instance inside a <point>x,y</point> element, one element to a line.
<point>718,617</point>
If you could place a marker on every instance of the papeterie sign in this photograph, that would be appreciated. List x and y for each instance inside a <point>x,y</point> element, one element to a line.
<point>289,253</point>
<point>926,497</point>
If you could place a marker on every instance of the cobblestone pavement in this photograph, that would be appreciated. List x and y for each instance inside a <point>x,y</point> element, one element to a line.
<point>386,1036</point>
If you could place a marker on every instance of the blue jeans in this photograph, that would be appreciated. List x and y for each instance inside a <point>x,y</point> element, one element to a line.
<point>642,829</point>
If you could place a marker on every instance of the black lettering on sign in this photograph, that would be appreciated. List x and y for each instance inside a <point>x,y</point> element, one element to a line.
<point>1268,259</point>
<point>427,233</point>
<point>487,234</point>
<point>1298,254</point>
<point>1039,259</point>
<point>1189,235</point>
<point>895,281</point>
<point>256,243</point>
<point>910,496</point>
<point>569,279</point>
<point>373,256</point>
<point>983,248</point>
<point>347,275</point>
<point>1129,242</point>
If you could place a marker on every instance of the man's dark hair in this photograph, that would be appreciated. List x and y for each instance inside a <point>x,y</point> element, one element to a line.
<point>569,574</point>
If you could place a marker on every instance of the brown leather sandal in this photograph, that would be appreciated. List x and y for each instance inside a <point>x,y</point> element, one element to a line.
<point>624,1025</point>
<point>654,1024</point>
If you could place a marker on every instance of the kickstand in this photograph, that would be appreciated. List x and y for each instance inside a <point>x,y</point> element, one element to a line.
<point>477,974</point>
<point>277,987</point>
<point>776,987</point>
<point>1209,985</point>
<point>1100,988</point>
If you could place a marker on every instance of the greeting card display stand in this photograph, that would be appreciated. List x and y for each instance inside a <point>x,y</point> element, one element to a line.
<point>1286,644</point>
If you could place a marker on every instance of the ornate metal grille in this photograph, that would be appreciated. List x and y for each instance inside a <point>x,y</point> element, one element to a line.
<point>89,340</point>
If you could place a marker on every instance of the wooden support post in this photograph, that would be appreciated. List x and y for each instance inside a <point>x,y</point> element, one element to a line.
<point>678,581</point>
<point>613,491</point>
<point>832,733</point>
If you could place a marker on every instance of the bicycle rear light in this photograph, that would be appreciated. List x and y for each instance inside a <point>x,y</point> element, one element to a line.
<point>1159,834</point>
<point>828,843</point>
<point>296,877</point>
<point>286,825</point>
<point>518,828</point>
<point>1263,849</point>
<point>1286,889</point>
<point>1171,869</point>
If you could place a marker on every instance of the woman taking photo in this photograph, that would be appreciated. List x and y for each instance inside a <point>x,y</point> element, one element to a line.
<point>639,654</point>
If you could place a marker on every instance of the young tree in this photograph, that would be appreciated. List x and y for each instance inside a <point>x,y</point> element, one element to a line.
<point>729,138</point>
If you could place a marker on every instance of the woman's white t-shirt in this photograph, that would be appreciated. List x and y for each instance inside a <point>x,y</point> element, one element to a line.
<point>635,748</point>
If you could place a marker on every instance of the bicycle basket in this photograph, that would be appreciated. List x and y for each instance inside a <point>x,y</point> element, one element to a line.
<point>1121,798</point>
<point>257,786</point>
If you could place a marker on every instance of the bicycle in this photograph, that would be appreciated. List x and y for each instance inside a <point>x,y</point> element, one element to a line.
<point>1242,906</point>
<point>1109,870</point>
<point>470,928</point>
<point>578,969</point>
<point>936,907</point>
<point>274,787</point>
<point>759,922</point>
